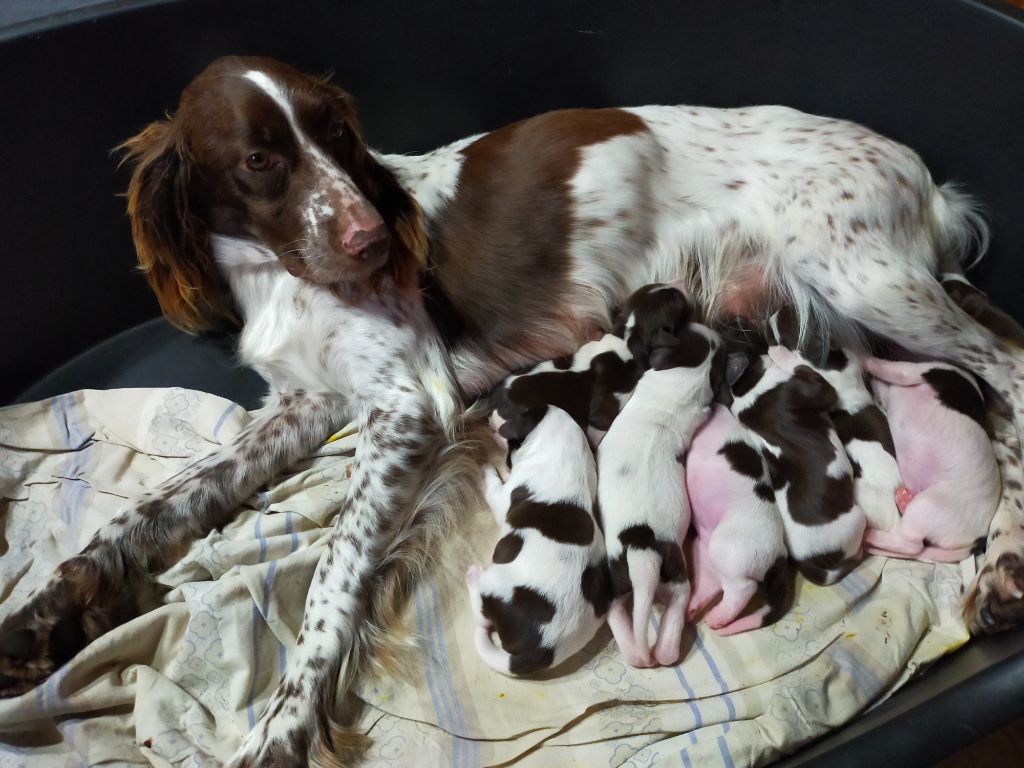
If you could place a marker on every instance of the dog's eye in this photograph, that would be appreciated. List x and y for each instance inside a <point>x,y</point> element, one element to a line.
<point>336,129</point>
<point>261,161</point>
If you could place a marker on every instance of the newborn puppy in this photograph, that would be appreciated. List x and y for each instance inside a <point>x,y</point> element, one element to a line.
<point>937,415</point>
<point>591,386</point>
<point>546,593</point>
<point>787,408</point>
<point>860,424</point>
<point>740,542</point>
<point>640,479</point>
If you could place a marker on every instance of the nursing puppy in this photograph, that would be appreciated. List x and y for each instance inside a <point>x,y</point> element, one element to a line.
<point>740,545</point>
<point>641,489</point>
<point>861,425</point>
<point>591,385</point>
<point>951,478</point>
<point>546,593</point>
<point>787,408</point>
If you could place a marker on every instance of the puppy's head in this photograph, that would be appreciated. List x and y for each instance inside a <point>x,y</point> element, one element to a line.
<point>654,318</point>
<point>810,391</point>
<point>518,426</point>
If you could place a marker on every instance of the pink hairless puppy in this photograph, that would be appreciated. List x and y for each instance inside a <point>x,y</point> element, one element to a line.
<point>740,542</point>
<point>952,484</point>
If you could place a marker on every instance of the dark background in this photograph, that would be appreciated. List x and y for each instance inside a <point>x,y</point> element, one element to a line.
<point>943,76</point>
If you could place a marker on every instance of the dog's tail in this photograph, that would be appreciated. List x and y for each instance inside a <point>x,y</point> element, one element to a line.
<point>960,231</point>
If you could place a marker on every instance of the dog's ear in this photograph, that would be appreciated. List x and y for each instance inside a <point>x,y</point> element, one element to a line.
<point>811,389</point>
<point>170,235</point>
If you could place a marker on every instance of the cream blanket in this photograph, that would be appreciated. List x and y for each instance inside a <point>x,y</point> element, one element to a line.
<point>180,685</point>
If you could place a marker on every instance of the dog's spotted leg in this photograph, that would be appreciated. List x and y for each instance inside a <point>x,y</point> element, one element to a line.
<point>397,445</point>
<point>995,601</point>
<point>97,589</point>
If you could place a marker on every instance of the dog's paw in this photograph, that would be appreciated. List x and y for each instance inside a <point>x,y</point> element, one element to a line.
<point>996,599</point>
<point>74,608</point>
<point>38,638</point>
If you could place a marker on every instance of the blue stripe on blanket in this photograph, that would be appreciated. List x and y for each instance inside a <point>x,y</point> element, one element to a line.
<point>722,685</point>
<point>256,620</point>
<point>466,752</point>
<point>223,418</point>
<point>698,721</point>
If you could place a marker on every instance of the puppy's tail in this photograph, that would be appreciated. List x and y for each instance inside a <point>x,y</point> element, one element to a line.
<point>958,227</point>
<point>644,574</point>
<point>496,658</point>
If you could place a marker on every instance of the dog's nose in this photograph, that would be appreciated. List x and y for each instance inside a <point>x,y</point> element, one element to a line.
<point>366,243</point>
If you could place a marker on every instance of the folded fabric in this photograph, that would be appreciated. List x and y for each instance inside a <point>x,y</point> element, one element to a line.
<point>181,684</point>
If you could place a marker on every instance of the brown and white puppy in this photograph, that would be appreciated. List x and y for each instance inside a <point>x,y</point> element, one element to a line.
<point>591,385</point>
<point>786,406</point>
<point>861,425</point>
<point>641,489</point>
<point>545,594</point>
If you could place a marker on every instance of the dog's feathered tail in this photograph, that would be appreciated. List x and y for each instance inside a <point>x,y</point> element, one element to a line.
<point>959,228</point>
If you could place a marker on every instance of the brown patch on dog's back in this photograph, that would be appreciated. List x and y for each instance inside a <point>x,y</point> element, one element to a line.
<point>501,245</point>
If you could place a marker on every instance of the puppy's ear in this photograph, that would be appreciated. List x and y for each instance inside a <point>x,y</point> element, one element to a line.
<point>735,366</point>
<point>519,425</point>
<point>783,327</point>
<point>664,337</point>
<point>726,370</point>
<point>619,317</point>
<point>812,390</point>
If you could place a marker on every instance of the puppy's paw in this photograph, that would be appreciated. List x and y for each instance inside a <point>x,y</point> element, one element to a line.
<point>903,497</point>
<point>473,575</point>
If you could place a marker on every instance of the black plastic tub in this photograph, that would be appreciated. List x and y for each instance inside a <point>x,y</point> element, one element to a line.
<point>945,77</point>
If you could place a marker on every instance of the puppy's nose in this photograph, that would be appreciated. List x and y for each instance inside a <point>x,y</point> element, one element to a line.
<point>365,243</point>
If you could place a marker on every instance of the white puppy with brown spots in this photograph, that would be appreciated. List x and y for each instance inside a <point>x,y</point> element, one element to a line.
<point>641,487</point>
<point>546,593</point>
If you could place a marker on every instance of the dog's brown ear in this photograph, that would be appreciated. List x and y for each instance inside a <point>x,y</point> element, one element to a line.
<point>171,240</point>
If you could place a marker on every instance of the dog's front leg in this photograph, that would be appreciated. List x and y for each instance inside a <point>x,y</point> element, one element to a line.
<point>98,589</point>
<point>352,586</point>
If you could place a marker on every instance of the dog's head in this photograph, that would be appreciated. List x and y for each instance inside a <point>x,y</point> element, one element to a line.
<point>263,153</point>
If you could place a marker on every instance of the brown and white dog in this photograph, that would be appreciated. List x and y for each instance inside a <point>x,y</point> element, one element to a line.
<point>258,203</point>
